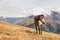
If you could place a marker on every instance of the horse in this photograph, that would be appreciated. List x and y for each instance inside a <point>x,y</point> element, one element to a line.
<point>39,20</point>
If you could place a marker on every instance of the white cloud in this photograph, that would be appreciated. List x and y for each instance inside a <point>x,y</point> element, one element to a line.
<point>19,8</point>
<point>38,11</point>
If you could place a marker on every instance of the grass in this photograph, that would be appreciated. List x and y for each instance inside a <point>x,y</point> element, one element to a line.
<point>15,32</point>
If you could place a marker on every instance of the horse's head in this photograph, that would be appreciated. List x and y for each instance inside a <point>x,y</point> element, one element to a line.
<point>43,19</point>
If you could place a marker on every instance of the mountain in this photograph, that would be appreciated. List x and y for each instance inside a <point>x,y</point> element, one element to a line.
<point>55,15</point>
<point>11,19</point>
<point>1,18</point>
<point>26,21</point>
<point>14,32</point>
<point>52,22</point>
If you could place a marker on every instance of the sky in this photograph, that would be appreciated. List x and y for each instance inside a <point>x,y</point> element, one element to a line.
<point>23,8</point>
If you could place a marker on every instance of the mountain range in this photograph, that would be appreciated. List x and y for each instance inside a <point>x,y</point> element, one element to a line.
<point>52,21</point>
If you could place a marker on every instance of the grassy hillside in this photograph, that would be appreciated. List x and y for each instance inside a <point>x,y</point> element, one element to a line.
<point>14,32</point>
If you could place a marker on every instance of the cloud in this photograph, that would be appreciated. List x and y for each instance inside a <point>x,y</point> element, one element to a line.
<point>19,8</point>
<point>38,11</point>
<point>17,3</point>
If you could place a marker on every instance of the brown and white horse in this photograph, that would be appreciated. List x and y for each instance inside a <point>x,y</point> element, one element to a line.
<point>39,20</point>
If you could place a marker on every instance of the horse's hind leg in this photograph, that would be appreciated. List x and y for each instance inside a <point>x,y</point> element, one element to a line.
<point>36,29</point>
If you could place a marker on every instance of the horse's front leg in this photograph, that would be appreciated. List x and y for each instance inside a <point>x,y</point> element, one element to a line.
<point>41,29</point>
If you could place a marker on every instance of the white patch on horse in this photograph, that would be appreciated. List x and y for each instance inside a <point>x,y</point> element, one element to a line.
<point>40,23</point>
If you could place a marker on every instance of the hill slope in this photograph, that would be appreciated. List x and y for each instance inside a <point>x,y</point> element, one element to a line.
<point>14,32</point>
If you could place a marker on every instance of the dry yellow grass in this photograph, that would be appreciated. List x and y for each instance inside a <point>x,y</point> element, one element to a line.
<point>15,32</point>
